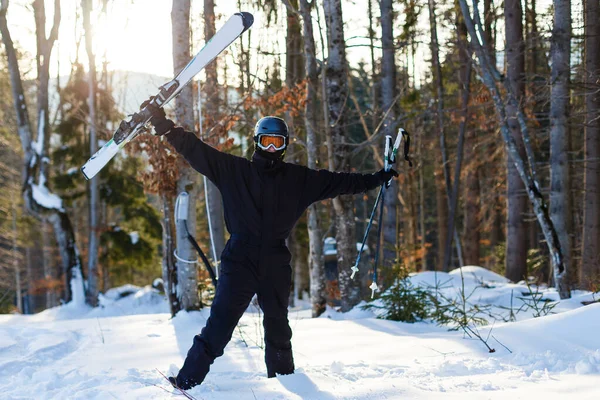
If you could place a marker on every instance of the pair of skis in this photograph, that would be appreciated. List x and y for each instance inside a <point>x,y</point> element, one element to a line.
<point>391,152</point>
<point>136,123</point>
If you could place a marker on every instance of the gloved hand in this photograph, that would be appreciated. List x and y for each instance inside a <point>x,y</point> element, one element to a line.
<point>385,176</point>
<point>162,125</point>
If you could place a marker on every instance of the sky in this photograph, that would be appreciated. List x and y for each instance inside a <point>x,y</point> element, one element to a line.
<point>136,35</point>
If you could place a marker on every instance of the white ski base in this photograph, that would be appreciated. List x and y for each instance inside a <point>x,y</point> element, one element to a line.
<point>100,159</point>
<point>232,29</point>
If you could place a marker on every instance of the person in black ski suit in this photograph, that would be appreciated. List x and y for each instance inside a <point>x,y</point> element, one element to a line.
<point>262,200</point>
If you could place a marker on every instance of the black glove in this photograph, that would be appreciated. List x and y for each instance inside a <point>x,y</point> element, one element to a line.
<point>159,120</point>
<point>385,176</point>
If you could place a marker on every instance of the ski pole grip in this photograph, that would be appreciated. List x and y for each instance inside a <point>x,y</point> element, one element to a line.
<point>386,162</point>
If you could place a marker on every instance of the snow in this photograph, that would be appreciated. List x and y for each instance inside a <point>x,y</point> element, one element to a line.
<point>118,349</point>
<point>135,237</point>
<point>77,290</point>
<point>45,198</point>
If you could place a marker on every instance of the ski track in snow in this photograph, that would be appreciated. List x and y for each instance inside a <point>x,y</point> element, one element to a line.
<point>107,353</point>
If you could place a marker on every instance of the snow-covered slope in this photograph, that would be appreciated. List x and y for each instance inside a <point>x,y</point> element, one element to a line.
<point>107,353</point>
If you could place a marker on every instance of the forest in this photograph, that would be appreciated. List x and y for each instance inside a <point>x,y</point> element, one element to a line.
<point>501,101</point>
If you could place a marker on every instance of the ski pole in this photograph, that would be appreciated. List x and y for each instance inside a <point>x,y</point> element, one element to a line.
<point>389,159</point>
<point>374,286</point>
<point>354,268</point>
<point>362,245</point>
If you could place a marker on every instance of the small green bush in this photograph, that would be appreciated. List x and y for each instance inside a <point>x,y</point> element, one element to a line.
<point>403,301</point>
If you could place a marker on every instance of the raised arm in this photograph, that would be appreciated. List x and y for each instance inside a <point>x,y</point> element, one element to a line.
<point>205,159</point>
<point>324,184</point>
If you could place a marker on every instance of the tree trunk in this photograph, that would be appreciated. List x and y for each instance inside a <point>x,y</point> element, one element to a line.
<point>169,265</point>
<point>294,62</point>
<point>187,271</point>
<point>472,224</point>
<point>516,236</point>
<point>47,264</point>
<point>560,182</point>
<point>16,266</point>
<point>425,265</point>
<point>213,196</point>
<point>446,250</point>
<point>315,234</point>
<point>443,172</point>
<point>92,289</point>
<point>30,304</point>
<point>441,201</point>
<point>336,75</point>
<point>300,265</point>
<point>489,19</point>
<point>35,166</point>
<point>374,78</point>
<point>589,275</point>
<point>388,94</point>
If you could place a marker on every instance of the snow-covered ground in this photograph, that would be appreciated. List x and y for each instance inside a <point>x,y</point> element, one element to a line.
<point>118,350</point>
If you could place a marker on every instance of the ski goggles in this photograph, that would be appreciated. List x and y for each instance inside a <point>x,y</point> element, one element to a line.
<point>265,141</point>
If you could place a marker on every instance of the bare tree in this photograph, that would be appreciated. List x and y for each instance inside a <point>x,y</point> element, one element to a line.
<point>16,262</point>
<point>336,77</point>
<point>590,263</point>
<point>560,182</point>
<point>489,21</point>
<point>187,273</point>
<point>39,201</point>
<point>516,237</point>
<point>388,95</point>
<point>450,234</point>
<point>470,248</point>
<point>374,80</point>
<point>92,288</point>
<point>315,234</point>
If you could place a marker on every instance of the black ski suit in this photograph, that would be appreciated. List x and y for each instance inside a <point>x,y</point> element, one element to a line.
<point>262,200</point>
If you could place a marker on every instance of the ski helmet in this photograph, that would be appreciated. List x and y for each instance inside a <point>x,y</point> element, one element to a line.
<point>271,132</point>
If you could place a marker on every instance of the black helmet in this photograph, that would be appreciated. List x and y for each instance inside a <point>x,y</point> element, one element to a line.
<point>271,127</point>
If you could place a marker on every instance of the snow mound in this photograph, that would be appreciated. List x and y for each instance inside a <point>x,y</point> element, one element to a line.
<point>560,343</point>
<point>357,312</point>
<point>479,274</point>
<point>131,300</point>
<point>472,275</point>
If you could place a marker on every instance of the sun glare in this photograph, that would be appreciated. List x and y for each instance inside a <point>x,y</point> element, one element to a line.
<point>134,36</point>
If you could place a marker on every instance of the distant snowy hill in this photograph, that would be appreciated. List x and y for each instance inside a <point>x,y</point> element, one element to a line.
<point>130,89</point>
<point>117,350</point>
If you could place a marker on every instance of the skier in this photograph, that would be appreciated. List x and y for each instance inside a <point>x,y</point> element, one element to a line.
<point>262,200</point>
